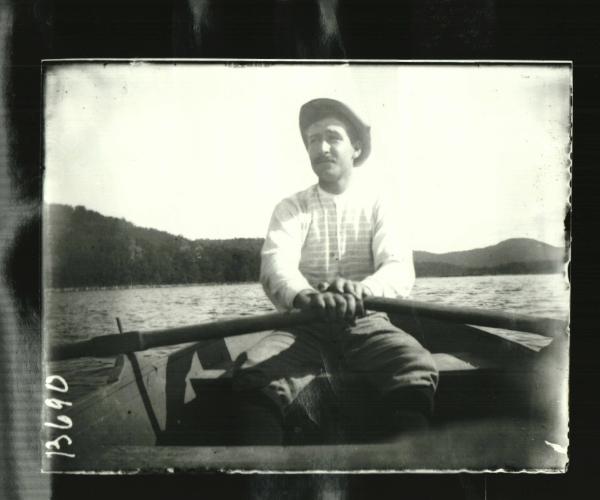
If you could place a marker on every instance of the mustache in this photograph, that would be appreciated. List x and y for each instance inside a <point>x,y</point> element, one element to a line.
<point>323,159</point>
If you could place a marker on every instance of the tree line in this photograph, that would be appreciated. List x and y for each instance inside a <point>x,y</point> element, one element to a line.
<point>86,249</point>
<point>437,269</point>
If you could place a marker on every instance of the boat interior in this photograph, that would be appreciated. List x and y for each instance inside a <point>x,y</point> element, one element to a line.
<point>495,393</point>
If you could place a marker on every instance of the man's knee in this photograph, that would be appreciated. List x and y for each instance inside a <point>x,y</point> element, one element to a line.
<point>408,347</point>
<point>393,360</point>
<point>396,346</point>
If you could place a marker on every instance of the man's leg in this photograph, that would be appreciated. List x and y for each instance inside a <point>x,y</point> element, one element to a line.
<point>268,378</point>
<point>401,371</point>
<point>257,419</point>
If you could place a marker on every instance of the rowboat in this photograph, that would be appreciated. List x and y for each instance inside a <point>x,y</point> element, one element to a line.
<point>500,404</point>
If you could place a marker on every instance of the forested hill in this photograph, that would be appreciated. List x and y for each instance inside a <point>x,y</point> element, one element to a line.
<point>512,256</point>
<point>87,249</point>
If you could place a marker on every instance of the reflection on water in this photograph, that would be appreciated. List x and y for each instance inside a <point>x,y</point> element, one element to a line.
<point>78,315</point>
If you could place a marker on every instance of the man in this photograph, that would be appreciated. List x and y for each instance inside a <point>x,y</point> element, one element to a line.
<point>327,248</point>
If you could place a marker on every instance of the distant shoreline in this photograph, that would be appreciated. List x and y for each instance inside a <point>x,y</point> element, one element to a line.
<point>229,283</point>
<point>141,286</point>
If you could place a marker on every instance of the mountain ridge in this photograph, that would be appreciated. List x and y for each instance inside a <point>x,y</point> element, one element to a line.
<point>503,252</point>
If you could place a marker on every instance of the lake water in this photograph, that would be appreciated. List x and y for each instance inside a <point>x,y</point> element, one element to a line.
<point>82,314</point>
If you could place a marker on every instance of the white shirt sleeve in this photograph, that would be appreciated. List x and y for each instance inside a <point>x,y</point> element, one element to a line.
<point>394,274</point>
<point>280,257</point>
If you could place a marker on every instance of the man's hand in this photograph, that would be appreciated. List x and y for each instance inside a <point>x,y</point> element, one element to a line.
<point>342,285</point>
<point>340,301</point>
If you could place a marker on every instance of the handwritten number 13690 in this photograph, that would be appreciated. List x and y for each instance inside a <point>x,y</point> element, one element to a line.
<point>58,384</point>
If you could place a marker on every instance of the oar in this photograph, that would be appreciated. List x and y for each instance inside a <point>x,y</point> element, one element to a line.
<point>111,345</point>
<point>469,315</point>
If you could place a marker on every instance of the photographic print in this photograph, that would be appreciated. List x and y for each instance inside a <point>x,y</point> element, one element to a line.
<point>284,266</point>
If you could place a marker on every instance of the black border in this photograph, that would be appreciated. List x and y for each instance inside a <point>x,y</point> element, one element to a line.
<point>521,29</point>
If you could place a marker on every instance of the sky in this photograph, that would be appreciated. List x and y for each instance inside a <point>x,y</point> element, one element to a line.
<point>474,154</point>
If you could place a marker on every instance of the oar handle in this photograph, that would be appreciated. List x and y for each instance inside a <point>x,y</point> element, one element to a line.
<point>111,345</point>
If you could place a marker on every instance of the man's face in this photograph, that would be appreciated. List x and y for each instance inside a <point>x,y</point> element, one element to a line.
<point>331,151</point>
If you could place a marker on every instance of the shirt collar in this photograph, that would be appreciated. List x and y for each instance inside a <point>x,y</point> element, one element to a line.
<point>337,197</point>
